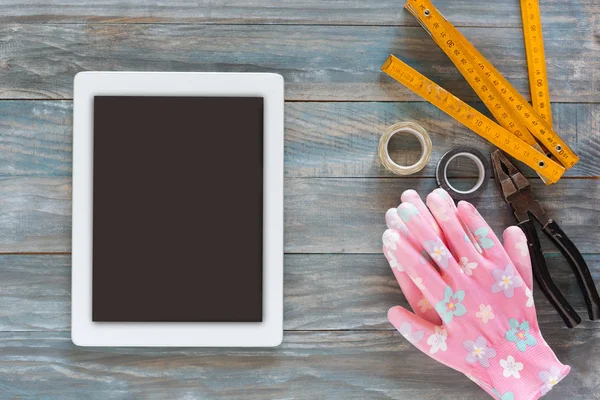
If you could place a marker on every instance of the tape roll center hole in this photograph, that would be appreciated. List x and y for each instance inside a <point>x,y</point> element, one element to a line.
<point>464,173</point>
<point>405,148</point>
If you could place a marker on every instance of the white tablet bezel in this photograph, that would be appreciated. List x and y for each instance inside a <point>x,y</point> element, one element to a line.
<point>267,333</point>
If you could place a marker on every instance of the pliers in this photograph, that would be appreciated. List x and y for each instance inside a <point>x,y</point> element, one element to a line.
<point>517,192</point>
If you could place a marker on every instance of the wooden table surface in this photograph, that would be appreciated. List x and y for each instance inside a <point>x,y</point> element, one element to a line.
<point>338,287</point>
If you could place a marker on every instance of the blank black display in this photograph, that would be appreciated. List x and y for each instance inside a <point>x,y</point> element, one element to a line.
<point>178,209</point>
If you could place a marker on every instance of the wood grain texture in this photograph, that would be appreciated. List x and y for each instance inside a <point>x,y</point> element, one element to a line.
<point>309,365</point>
<point>347,215</point>
<point>343,291</point>
<point>36,138</point>
<point>338,343</point>
<point>341,139</point>
<point>344,12</point>
<point>317,62</point>
<point>321,139</point>
<point>321,215</point>
<point>322,292</point>
<point>36,293</point>
<point>35,214</point>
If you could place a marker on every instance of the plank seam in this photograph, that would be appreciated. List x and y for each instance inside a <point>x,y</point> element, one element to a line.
<point>217,23</point>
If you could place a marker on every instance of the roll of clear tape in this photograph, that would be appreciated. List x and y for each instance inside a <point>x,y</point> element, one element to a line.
<point>415,130</point>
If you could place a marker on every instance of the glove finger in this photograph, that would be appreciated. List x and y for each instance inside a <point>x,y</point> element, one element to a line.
<point>424,275</point>
<point>444,195</point>
<point>413,294</point>
<point>414,329</point>
<point>417,300</point>
<point>412,197</point>
<point>427,238</point>
<point>515,244</point>
<point>486,239</point>
<point>500,264</point>
<point>393,221</point>
<point>429,338</point>
<point>456,236</point>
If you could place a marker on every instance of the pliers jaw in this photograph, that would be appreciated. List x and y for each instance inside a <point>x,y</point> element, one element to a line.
<point>516,190</point>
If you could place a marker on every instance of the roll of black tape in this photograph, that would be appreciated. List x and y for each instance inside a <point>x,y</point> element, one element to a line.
<point>483,168</point>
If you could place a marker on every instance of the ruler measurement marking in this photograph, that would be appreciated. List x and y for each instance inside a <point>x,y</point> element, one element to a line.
<point>534,48</point>
<point>472,119</point>
<point>481,75</point>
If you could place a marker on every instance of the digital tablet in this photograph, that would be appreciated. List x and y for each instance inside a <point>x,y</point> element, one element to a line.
<point>177,209</point>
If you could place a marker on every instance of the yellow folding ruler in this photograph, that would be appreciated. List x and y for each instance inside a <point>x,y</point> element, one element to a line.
<point>473,119</point>
<point>536,61</point>
<point>520,122</point>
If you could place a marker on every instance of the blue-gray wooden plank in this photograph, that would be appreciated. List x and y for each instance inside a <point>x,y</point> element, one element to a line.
<point>329,215</point>
<point>346,215</point>
<point>339,12</point>
<point>36,138</point>
<point>321,139</point>
<point>309,365</point>
<point>341,139</point>
<point>317,62</point>
<point>323,292</point>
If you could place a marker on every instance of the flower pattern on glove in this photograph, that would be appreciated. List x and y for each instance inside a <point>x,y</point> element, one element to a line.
<point>466,266</point>
<point>424,305</point>
<point>439,212</point>
<point>390,238</point>
<point>407,211</point>
<point>511,367</point>
<point>418,282</point>
<point>505,396</point>
<point>481,236</point>
<point>437,341</point>
<point>437,251</point>
<point>392,219</point>
<point>529,295</point>
<point>466,239</point>
<point>413,337</point>
<point>519,334</point>
<point>485,313</point>
<point>522,246</point>
<point>451,305</point>
<point>506,281</point>
<point>549,379</point>
<point>479,290</point>
<point>394,262</point>
<point>479,352</point>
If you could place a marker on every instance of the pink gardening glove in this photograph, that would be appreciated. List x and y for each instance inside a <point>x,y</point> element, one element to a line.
<point>472,296</point>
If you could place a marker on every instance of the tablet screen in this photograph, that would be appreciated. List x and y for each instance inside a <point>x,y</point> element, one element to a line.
<point>177,209</point>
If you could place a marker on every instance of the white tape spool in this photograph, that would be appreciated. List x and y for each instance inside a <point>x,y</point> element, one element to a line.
<point>415,130</point>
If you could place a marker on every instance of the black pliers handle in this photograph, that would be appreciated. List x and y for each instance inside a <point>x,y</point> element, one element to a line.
<point>517,192</point>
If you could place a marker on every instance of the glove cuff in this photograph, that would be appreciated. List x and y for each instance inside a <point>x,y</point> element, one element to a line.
<point>524,368</point>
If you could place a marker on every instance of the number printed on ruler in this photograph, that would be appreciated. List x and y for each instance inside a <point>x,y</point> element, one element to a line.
<point>481,76</point>
<point>472,119</point>
<point>536,60</point>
